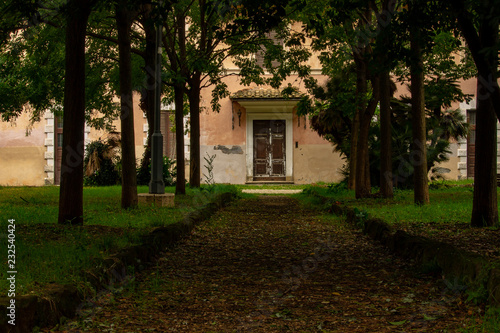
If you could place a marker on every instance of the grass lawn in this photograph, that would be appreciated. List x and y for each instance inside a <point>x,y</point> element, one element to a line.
<point>47,252</point>
<point>451,202</point>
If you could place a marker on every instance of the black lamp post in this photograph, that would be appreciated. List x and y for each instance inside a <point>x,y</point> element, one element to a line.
<point>156,185</point>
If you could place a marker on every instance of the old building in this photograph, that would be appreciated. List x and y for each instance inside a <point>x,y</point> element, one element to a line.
<point>256,137</point>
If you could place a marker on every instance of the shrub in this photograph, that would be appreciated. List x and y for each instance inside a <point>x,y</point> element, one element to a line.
<point>100,163</point>
<point>169,173</point>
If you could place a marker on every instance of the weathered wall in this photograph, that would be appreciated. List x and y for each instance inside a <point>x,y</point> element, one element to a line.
<point>313,160</point>
<point>452,164</point>
<point>229,163</point>
<point>22,166</point>
<point>22,156</point>
<point>316,163</point>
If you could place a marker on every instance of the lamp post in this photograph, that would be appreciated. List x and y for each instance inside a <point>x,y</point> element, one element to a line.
<point>156,185</point>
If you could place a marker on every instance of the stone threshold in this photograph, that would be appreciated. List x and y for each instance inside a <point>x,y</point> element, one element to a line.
<point>270,191</point>
<point>275,182</point>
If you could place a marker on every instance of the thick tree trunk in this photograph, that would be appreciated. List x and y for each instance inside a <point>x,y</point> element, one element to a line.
<point>194,113</point>
<point>361,93</point>
<point>485,63</point>
<point>363,183</point>
<point>129,176</point>
<point>386,182</point>
<point>418,156</point>
<point>71,188</point>
<point>485,206</point>
<point>179,139</point>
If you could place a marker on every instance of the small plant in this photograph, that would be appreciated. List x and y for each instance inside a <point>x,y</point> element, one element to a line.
<point>361,215</point>
<point>337,188</point>
<point>209,159</point>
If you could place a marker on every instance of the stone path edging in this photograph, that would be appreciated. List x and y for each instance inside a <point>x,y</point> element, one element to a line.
<point>471,269</point>
<point>63,300</point>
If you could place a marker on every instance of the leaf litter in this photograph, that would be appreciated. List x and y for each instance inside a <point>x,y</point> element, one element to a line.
<point>268,264</point>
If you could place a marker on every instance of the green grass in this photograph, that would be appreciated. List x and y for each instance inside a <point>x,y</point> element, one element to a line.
<point>48,252</point>
<point>31,205</point>
<point>450,203</point>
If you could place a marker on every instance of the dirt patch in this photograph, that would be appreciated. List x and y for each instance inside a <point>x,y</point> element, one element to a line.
<point>270,265</point>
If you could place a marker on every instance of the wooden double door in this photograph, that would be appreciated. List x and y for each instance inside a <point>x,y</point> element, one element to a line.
<point>269,150</point>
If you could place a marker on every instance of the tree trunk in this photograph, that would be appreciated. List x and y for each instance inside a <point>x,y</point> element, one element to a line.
<point>71,188</point>
<point>418,156</point>
<point>486,63</point>
<point>484,206</point>
<point>129,176</point>
<point>363,182</point>
<point>194,113</point>
<point>363,186</point>
<point>353,151</point>
<point>179,139</point>
<point>386,183</point>
<point>147,93</point>
<point>361,93</point>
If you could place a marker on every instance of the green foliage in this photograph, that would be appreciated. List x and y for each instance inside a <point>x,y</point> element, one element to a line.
<point>337,188</point>
<point>101,163</point>
<point>209,160</point>
<point>27,60</point>
<point>169,173</point>
<point>441,128</point>
<point>361,216</point>
<point>48,252</point>
<point>332,110</point>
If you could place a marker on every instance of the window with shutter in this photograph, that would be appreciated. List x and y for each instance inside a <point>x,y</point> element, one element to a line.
<point>259,56</point>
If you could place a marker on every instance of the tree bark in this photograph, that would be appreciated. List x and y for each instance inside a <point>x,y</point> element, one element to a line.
<point>129,176</point>
<point>179,139</point>
<point>361,93</point>
<point>386,182</point>
<point>194,114</point>
<point>353,151</point>
<point>486,64</point>
<point>485,206</point>
<point>71,187</point>
<point>363,182</point>
<point>418,155</point>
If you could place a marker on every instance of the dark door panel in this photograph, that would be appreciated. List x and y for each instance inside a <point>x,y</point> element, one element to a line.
<point>269,150</point>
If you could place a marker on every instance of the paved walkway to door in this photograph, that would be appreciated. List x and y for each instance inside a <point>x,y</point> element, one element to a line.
<point>270,265</point>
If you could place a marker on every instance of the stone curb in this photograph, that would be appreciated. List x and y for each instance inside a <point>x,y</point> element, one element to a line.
<point>455,265</point>
<point>63,300</point>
